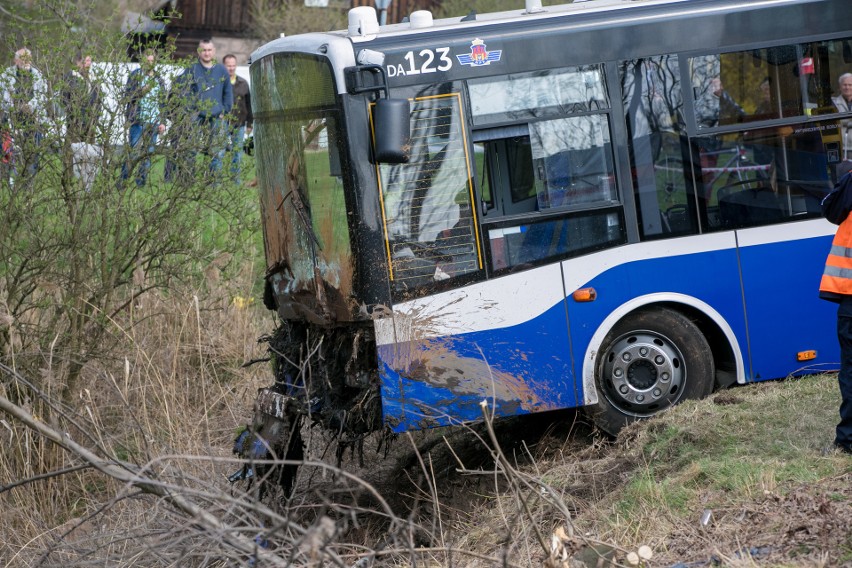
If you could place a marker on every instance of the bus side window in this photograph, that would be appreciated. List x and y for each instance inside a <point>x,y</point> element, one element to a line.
<point>662,178</point>
<point>482,170</point>
<point>778,171</point>
<point>503,158</point>
<point>541,186</point>
<point>522,189</point>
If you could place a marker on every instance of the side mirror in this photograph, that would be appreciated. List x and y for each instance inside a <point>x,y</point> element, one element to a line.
<point>392,127</point>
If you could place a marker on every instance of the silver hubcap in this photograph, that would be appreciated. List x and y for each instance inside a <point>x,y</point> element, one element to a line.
<point>643,373</point>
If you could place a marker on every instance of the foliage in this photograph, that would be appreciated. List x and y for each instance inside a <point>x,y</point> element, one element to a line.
<point>80,241</point>
<point>275,17</point>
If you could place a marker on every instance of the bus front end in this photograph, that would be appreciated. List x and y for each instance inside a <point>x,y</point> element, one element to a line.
<point>323,348</point>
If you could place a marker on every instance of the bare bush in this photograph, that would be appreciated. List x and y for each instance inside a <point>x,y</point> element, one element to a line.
<point>81,242</point>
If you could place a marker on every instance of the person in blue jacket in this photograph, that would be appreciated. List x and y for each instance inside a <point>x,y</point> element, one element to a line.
<point>145,94</point>
<point>205,91</point>
<point>836,286</point>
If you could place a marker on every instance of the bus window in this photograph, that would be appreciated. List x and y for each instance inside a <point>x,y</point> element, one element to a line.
<point>521,246</point>
<point>765,84</point>
<point>545,93</point>
<point>506,160</point>
<point>825,65</point>
<point>522,189</point>
<point>663,187</point>
<point>746,86</point>
<point>766,175</point>
<point>427,203</point>
<point>774,172</point>
<point>573,161</point>
<point>551,175</point>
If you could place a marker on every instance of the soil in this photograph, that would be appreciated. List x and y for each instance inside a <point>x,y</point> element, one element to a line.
<point>808,526</point>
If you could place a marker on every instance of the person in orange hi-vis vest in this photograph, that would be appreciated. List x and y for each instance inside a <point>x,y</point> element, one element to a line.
<point>836,286</point>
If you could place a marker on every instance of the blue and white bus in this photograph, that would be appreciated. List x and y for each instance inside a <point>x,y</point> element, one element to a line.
<point>611,204</point>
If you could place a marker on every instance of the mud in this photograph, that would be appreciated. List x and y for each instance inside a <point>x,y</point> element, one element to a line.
<point>453,463</point>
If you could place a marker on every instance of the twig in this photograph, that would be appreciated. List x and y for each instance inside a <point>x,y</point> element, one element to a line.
<point>199,516</point>
<point>43,476</point>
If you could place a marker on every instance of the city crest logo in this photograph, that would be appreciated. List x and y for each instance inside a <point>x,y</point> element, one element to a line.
<point>479,55</point>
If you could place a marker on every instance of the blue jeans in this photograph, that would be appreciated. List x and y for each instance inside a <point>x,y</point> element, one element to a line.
<point>145,135</point>
<point>214,131</point>
<point>235,143</point>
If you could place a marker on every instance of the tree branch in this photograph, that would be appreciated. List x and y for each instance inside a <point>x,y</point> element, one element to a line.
<point>199,516</point>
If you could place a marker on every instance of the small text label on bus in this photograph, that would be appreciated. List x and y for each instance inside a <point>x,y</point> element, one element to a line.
<point>426,61</point>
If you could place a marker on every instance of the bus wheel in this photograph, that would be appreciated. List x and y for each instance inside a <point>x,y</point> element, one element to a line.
<point>650,361</point>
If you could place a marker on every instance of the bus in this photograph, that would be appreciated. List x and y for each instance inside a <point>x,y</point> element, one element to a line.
<point>610,204</point>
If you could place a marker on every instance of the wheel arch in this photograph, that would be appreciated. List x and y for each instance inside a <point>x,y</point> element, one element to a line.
<point>724,345</point>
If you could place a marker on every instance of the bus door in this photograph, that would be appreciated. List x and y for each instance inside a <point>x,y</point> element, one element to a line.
<point>547,187</point>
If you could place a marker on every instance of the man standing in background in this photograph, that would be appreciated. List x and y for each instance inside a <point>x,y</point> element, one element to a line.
<point>206,93</point>
<point>23,102</point>
<point>241,118</point>
<point>82,100</point>
<point>145,93</point>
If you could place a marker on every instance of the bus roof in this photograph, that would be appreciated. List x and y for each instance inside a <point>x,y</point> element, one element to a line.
<point>678,18</point>
<point>364,26</point>
<point>533,11</point>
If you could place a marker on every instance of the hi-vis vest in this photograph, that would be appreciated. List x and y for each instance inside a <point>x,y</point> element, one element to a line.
<point>837,277</point>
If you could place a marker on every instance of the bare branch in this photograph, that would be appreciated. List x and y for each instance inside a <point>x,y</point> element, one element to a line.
<point>203,518</point>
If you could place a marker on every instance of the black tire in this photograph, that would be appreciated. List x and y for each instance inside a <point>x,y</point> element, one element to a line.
<point>272,438</point>
<point>285,439</point>
<point>649,361</point>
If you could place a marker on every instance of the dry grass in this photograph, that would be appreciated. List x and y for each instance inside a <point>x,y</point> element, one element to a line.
<point>176,389</point>
<point>166,408</point>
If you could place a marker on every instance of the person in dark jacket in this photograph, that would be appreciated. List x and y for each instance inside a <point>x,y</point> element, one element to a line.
<point>82,100</point>
<point>836,286</point>
<point>210,97</point>
<point>241,120</point>
<point>145,94</point>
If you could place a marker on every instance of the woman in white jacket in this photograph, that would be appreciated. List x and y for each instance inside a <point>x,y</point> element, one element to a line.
<point>23,100</point>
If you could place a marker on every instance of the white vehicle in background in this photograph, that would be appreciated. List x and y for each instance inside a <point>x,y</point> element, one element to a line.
<point>112,78</point>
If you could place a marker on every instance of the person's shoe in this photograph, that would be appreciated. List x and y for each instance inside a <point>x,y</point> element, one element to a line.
<point>834,448</point>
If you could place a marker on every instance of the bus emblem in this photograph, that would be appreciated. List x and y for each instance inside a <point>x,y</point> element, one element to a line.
<point>479,55</point>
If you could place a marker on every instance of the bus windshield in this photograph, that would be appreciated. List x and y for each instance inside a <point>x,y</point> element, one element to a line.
<point>300,175</point>
<point>428,206</point>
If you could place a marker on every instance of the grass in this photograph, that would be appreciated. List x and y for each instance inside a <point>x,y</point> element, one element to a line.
<point>751,456</point>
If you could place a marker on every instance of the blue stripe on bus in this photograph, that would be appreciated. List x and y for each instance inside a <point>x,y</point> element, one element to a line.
<point>517,370</point>
<point>439,381</point>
